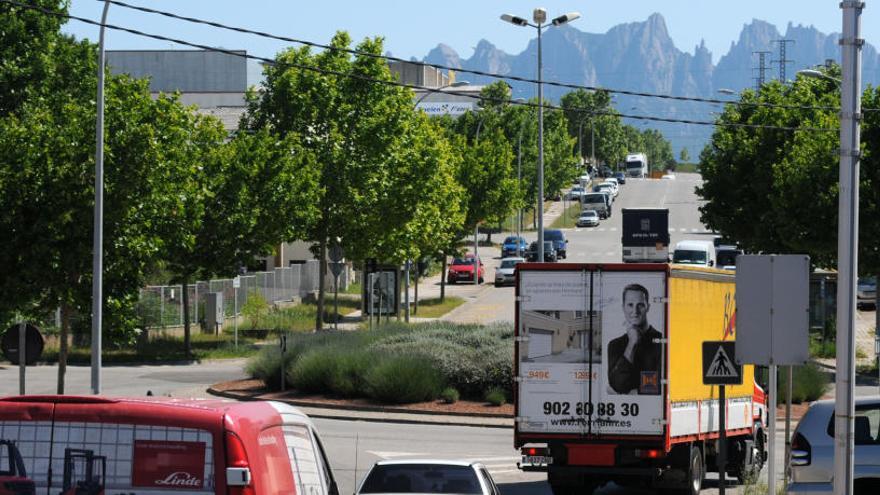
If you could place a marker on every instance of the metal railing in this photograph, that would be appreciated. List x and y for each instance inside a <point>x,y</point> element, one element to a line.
<point>162,305</point>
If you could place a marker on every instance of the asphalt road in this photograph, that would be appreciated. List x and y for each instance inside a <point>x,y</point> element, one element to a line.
<point>175,380</point>
<point>359,444</point>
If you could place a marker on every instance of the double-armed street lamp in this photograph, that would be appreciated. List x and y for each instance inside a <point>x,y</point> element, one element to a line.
<point>539,16</point>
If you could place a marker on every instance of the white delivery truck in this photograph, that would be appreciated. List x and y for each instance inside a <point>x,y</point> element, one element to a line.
<point>593,407</point>
<point>637,165</point>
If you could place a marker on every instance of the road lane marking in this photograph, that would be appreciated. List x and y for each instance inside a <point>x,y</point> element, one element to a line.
<point>613,229</point>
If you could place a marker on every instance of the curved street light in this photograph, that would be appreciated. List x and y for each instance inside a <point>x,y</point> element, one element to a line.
<point>817,74</point>
<point>539,16</point>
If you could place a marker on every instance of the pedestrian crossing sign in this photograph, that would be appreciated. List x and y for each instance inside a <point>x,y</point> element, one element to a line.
<point>719,364</point>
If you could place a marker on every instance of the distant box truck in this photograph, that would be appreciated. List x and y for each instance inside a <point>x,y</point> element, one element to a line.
<point>591,406</point>
<point>637,165</point>
<point>645,235</point>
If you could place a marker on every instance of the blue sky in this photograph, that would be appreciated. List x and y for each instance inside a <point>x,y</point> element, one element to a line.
<point>412,28</point>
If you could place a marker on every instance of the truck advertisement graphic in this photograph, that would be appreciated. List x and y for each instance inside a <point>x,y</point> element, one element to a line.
<point>592,353</point>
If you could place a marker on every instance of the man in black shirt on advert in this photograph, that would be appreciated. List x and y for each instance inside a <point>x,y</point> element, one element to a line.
<point>634,358</point>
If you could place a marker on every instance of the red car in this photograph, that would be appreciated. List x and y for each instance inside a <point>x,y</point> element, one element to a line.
<point>462,270</point>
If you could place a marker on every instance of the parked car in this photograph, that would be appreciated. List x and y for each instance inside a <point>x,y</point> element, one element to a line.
<point>866,293</point>
<point>575,193</point>
<point>428,476</point>
<point>588,218</point>
<point>549,252</point>
<point>513,246</point>
<point>615,188</point>
<point>812,448</point>
<point>605,188</point>
<point>621,177</point>
<point>599,201</point>
<point>91,445</point>
<point>462,270</point>
<point>606,171</point>
<point>668,176</point>
<point>560,243</point>
<point>506,271</point>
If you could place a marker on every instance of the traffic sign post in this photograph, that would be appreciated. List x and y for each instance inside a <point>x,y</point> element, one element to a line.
<point>720,368</point>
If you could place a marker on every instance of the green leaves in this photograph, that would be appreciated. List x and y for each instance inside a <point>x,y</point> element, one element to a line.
<point>777,191</point>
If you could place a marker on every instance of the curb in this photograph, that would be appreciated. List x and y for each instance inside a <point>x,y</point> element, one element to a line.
<point>369,413</point>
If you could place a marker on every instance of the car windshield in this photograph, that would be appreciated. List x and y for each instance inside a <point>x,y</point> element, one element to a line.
<point>688,256</point>
<point>594,198</point>
<point>868,282</point>
<point>726,258</point>
<point>422,478</point>
<point>510,240</point>
<point>509,263</point>
<point>589,214</point>
<point>553,235</point>
<point>548,245</point>
<point>463,261</point>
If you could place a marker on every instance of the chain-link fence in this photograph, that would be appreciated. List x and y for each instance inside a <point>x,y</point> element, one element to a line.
<point>162,305</point>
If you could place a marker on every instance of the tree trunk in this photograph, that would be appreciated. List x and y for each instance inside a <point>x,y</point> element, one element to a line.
<point>322,273</point>
<point>187,330</point>
<point>443,280</point>
<point>62,345</point>
<point>534,219</point>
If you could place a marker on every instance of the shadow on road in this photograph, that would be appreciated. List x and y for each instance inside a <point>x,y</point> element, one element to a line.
<point>525,488</point>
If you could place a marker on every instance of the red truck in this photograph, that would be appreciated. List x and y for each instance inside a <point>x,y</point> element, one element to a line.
<point>97,445</point>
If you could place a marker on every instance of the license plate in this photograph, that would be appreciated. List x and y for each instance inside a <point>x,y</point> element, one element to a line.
<point>536,460</point>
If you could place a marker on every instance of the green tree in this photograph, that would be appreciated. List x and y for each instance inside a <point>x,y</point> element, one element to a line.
<point>237,201</point>
<point>591,113</point>
<point>46,199</point>
<point>357,130</point>
<point>757,177</point>
<point>27,39</point>
<point>684,156</point>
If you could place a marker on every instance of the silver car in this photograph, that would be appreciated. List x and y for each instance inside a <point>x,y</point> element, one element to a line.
<point>428,476</point>
<point>812,449</point>
<point>506,271</point>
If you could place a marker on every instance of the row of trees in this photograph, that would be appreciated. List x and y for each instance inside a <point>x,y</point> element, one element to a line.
<point>775,190</point>
<point>318,156</point>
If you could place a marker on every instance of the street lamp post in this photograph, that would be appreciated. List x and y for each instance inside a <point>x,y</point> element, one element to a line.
<point>98,239</point>
<point>539,16</point>
<point>847,241</point>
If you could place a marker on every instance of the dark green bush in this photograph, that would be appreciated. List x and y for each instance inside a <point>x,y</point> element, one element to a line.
<point>313,371</point>
<point>496,397</point>
<point>449,395</point>
<point>266,365</point>
<point>403,379</point>
<point>808,384</point>
<point>348,378</point>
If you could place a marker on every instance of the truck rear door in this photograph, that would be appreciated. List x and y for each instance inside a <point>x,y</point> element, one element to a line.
<point>577,370</point>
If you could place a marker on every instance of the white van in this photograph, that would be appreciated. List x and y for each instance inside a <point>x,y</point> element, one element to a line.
<point>694,252</point>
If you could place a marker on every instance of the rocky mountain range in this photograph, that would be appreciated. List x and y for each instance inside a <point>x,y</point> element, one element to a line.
<point>641,56</point>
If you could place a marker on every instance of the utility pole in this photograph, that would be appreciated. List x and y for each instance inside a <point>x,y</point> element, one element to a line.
<point>847,243</point>
<point>762,69</point>
<point>782,61</point>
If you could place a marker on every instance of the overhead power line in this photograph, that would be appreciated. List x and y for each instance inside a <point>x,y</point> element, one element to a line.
<point>410,86</point>
<point>459,69</point>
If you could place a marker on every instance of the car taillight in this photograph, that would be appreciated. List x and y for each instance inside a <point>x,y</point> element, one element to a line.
<point>238,471</point>
<point>800,450</point>
<point>535,451</point>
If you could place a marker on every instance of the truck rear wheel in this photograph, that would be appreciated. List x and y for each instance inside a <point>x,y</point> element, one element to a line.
<point>694,475</point>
